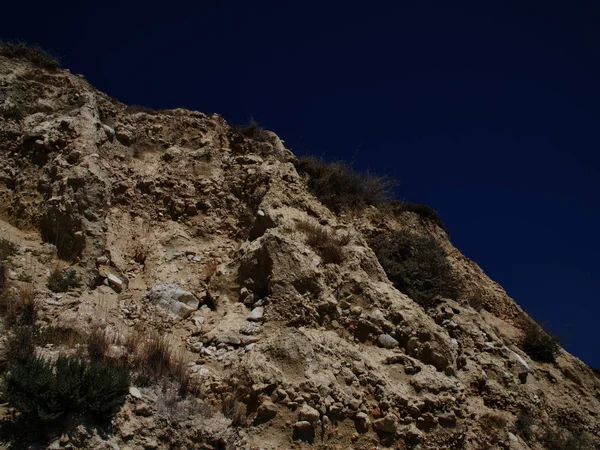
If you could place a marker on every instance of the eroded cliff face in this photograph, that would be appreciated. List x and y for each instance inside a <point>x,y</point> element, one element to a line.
<point>180,225</point>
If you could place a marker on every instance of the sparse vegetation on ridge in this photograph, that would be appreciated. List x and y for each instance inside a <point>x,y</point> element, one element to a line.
<point>32,53</point>
<point>251,130</point>
<point>339,187</point>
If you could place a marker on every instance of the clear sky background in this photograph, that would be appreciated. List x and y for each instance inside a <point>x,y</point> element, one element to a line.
<point>487,111</point>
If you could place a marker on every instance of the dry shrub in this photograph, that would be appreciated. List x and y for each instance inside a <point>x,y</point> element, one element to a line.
<point>170,406</point>
<point>251,130</point>
<point>538,344</point>
<point>417,266</point>
<point>326,243</point>
<point>134,109</point>
<point>340,188</point>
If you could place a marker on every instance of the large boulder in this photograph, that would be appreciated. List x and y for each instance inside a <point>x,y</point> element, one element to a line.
<point>176,302</point>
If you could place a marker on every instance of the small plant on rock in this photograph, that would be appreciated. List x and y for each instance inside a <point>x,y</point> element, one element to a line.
<point>326,243</point>
<point>61,280</point>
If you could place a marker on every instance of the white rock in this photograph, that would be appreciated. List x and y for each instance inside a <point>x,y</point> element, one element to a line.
<point>135,392</point>
<point>177,302</point>
<point>257,314</point>
<point>385,340</point>
<point>115,282</point>
<point>521,361</point>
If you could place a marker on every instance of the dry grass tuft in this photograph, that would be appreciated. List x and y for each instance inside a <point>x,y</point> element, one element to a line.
<point>233,407</point>
<point>98,344</point>
<point>326,243</point>
<point>19,309</point>
<point>156,362</point>
<point>492,421</point>
<point>209,270</point>
<point>142,247</point>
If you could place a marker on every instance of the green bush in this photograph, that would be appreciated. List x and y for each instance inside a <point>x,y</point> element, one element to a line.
<point>416,265</point>
<point>34,54</point>
<point>341,188</point>
<point>61,280</point>
<point>21,344</point>
<point>538,344</point>
<point>40,391</point>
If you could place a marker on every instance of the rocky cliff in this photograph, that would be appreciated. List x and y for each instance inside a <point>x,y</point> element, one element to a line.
<point>277,309</point>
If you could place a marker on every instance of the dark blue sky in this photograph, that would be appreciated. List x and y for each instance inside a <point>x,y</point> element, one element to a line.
<point>487,111</point>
